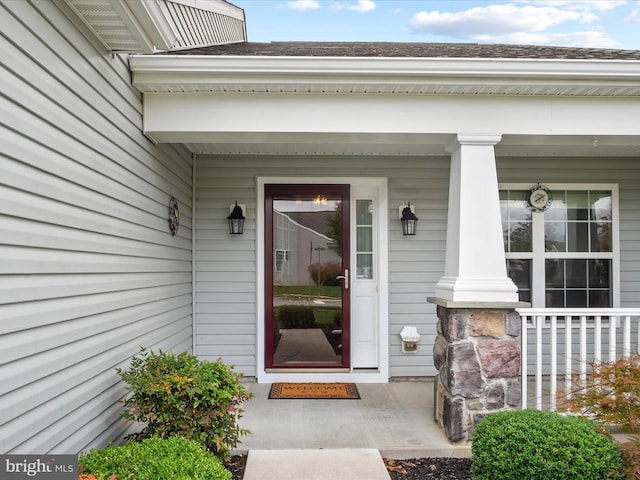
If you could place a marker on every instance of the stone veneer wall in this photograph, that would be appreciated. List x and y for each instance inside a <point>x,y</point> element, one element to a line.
<point>477,354</point>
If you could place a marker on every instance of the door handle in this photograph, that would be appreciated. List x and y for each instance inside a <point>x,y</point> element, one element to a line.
<point>344,277</point>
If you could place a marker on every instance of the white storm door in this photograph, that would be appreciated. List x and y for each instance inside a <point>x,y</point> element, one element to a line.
<point>365,328</point>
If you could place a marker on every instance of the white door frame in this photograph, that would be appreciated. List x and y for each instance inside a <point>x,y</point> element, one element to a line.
<point>379,375</point>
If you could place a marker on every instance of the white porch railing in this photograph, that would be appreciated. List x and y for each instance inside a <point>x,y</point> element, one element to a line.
<point>559,344</point>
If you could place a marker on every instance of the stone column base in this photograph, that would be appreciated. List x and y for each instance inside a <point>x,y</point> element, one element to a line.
<point>477,354</point>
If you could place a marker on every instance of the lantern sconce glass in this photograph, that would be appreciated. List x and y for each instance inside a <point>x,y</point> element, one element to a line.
<point>236,219</point>
<point>408,219</point>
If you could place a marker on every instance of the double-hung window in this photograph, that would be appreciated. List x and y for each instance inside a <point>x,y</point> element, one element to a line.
<point>565,256</point>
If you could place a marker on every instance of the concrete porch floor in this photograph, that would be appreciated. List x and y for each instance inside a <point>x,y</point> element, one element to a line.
<point>394,418</point>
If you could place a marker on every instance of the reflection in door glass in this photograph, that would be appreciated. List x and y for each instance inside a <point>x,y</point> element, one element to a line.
<point>307,295</point>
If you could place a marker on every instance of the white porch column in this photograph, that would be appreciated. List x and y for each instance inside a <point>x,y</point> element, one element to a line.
<point>475,269</point>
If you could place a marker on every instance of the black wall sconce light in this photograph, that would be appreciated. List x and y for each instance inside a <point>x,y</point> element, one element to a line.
<point>408,219</point>
<point>236,219</point>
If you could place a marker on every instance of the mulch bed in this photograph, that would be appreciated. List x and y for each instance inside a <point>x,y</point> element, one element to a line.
<point>236,466</point>
<point>429,468</point>
<point>411,469</point>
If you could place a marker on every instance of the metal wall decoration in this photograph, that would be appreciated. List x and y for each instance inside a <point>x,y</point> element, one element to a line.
<point>539,198</point>
<point>174,216</point>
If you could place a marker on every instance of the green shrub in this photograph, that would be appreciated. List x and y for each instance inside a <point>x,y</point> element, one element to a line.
<point>532,444</point>
<point>174,458</point>
<point>325,273</point>
<point>295,316</point>
<point>182,395</point>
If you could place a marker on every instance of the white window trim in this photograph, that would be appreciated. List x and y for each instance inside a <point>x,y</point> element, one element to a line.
<point>537,281</point>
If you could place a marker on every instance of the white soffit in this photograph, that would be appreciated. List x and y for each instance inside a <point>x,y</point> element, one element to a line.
<point>126,26</point>
<point>145,26</point>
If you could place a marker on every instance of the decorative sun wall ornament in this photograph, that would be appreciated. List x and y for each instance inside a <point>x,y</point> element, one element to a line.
<point>174,216</point>
<point>539,198</point>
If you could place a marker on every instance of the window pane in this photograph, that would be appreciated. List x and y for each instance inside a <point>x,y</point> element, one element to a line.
<point>554,299</point>
<point>576,273</point>
<point>524,296</point>
<point>519,237</point>
<point>577,205</point>
<point>599,298</point>
<point>518,211</point>
<point>578,236</point>
<point>576,298</point>
<point>554,237</point>
<point>520,272</point>
<point>554,273</point>
<point>601,237</point>
<point>280,258</point>
<point>601,208</point>
<point>365,266</point>
<point>516,221</point>
<point>364,212</point>
<point>599,273</point>
<point>558,208</point>
<point>364,239</point>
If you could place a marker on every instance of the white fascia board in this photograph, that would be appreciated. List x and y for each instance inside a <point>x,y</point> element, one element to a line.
<point>188,116</point>
<point>151,22</point>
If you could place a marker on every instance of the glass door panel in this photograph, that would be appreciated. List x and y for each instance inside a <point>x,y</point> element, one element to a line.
<point>307,297</point>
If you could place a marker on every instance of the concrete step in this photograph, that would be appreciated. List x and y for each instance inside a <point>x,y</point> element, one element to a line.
<point>319,464</point>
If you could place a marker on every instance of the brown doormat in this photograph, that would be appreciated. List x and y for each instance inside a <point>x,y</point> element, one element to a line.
<point>346,391</point>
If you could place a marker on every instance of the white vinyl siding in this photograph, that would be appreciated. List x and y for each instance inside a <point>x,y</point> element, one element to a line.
<point>88,270</point>
<point>226,265</point>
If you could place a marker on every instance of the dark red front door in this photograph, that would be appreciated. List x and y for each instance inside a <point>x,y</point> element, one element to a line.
<point>307,276</point>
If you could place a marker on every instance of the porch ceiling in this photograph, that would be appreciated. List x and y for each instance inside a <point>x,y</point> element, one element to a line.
<point>410,145</point>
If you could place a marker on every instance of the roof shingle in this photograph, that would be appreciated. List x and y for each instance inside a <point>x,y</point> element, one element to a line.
<point>416,50</point>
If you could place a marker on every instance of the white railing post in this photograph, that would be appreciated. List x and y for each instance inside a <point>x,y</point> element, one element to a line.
<point>613,338</point>
<point>554,361</point>
<point>627,336</point>
<point>524,365</point>
<point>597,339</point>
<point>539,322</point>
<point>583,350</point>
<point>568,361</point>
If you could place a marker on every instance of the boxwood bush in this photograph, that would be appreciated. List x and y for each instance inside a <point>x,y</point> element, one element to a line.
<point>295,316</point>
<point>181,395</point>
<point>533,444</point>
<point>174,458</point>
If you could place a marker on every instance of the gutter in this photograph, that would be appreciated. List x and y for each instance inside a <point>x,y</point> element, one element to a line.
<point>179,73</point>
